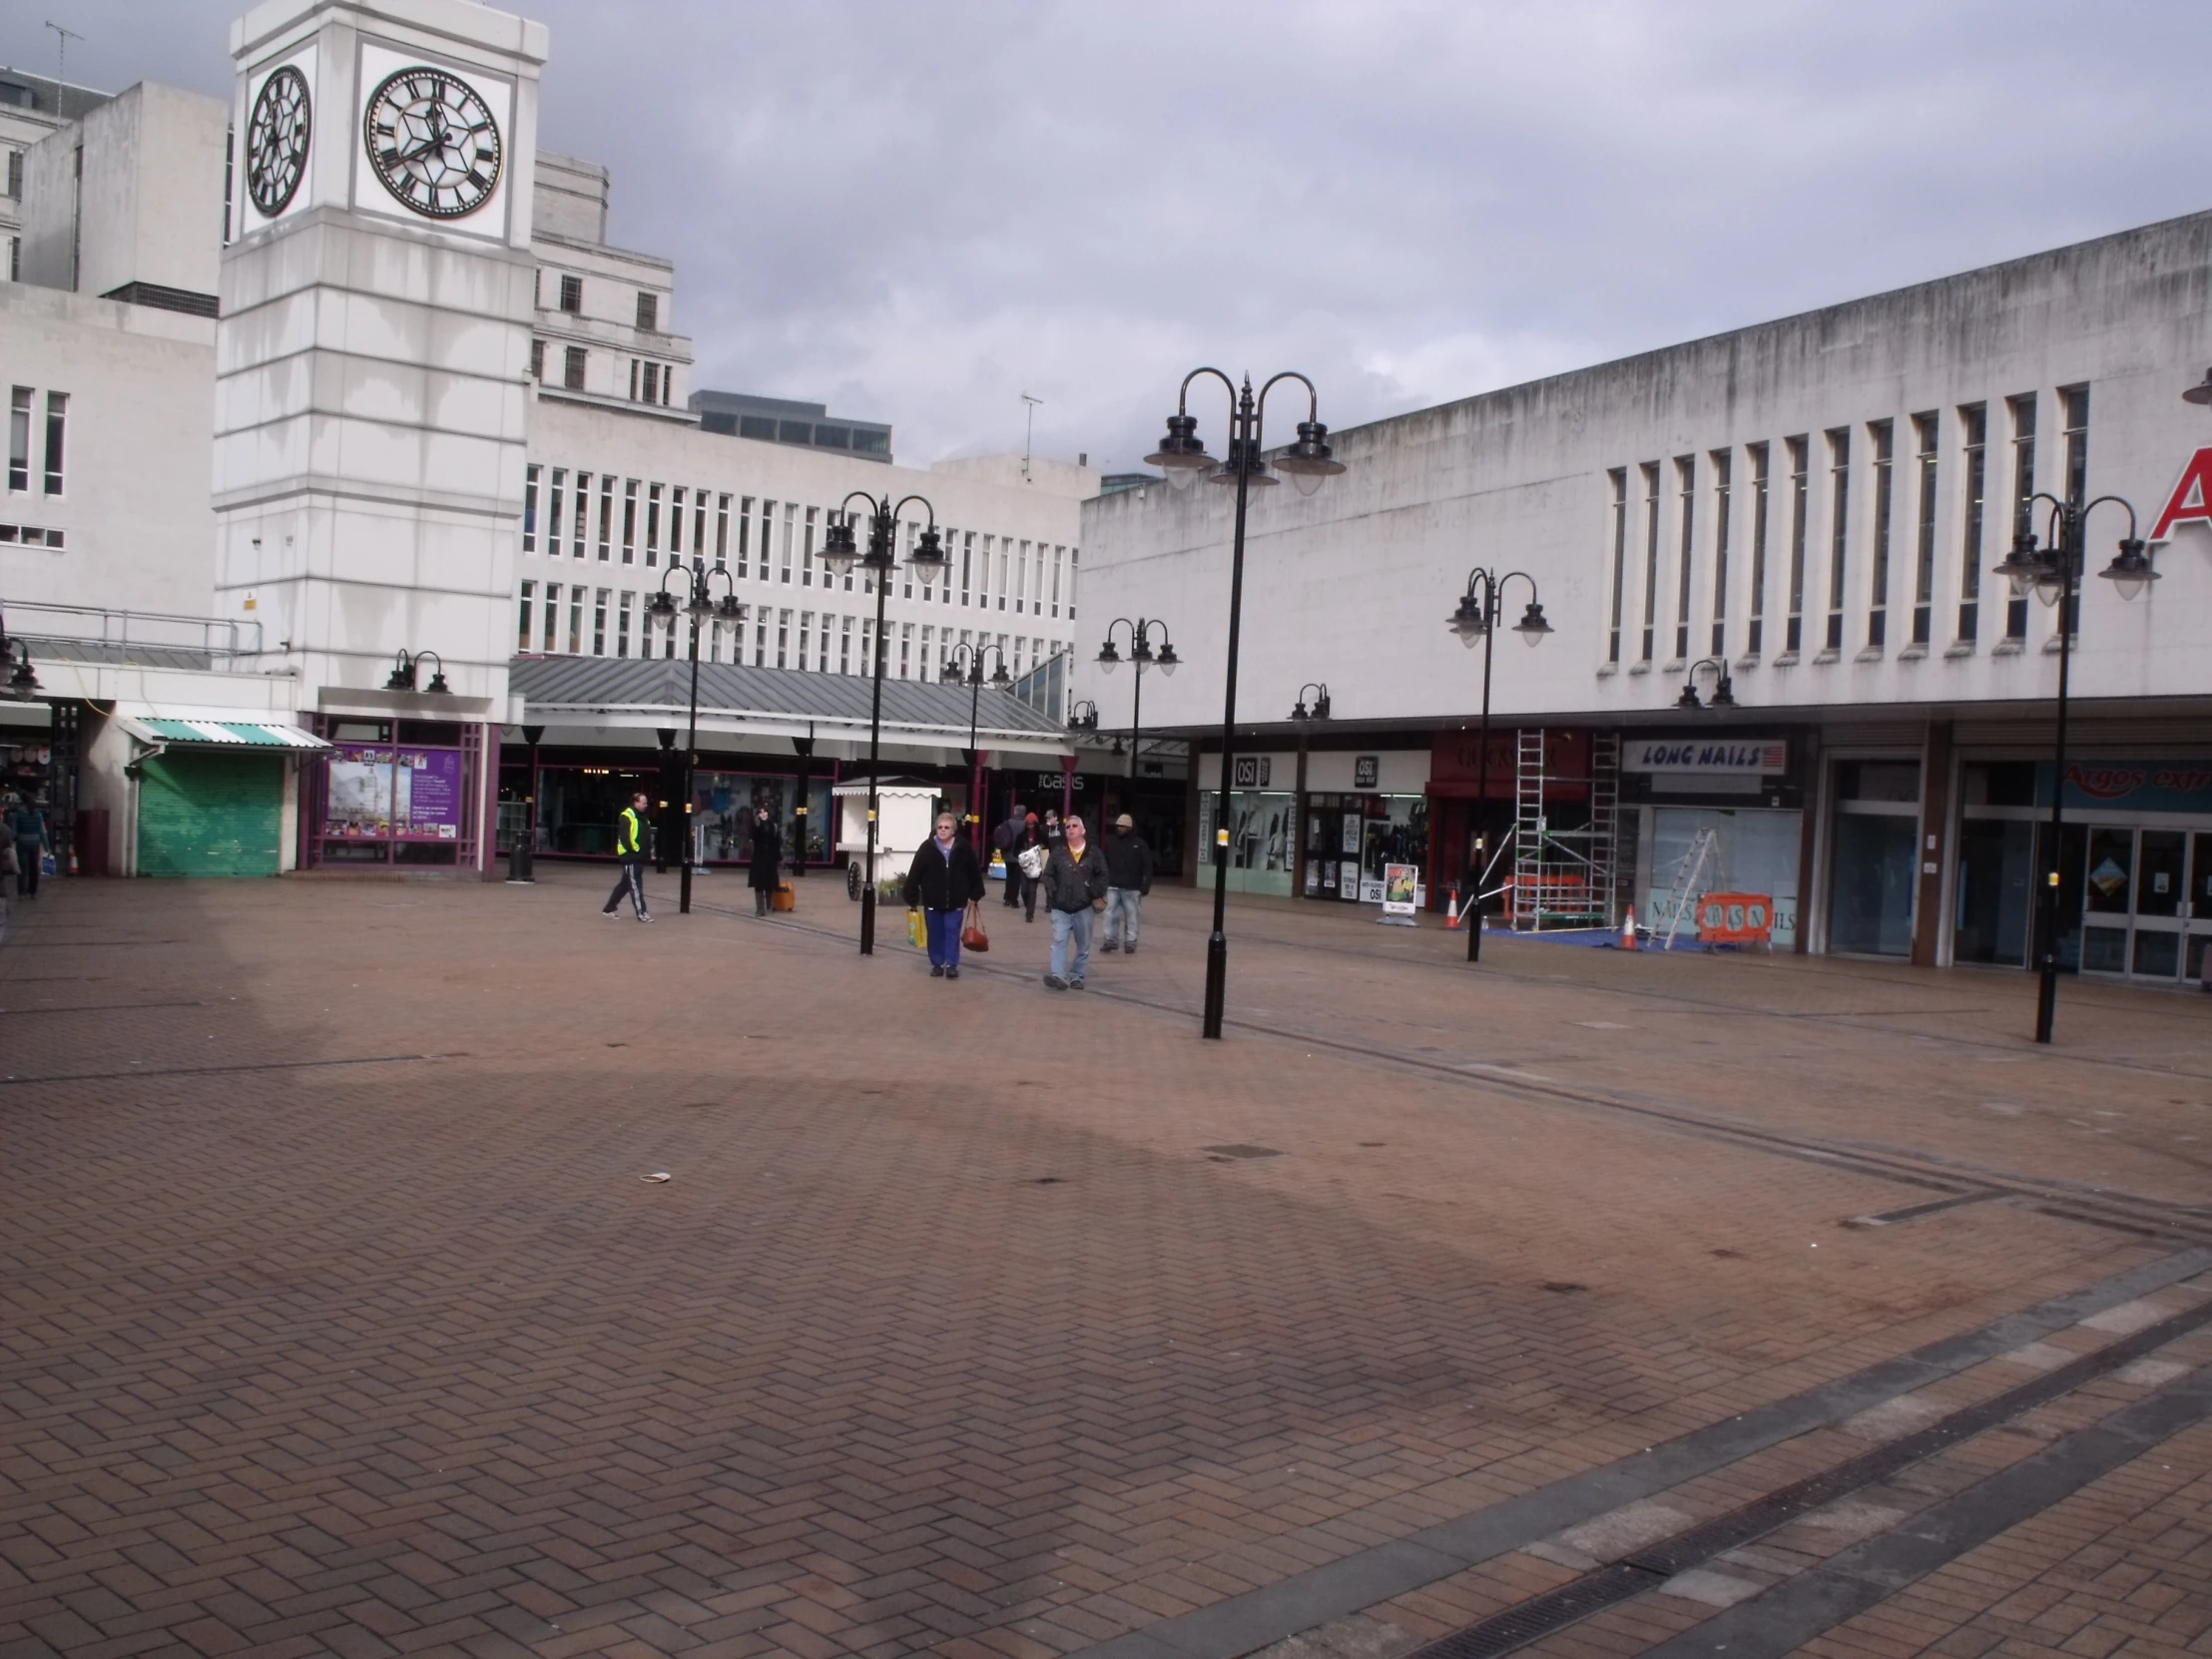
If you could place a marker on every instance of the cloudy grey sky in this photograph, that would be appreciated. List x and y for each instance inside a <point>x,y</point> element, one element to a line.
<point>918,211</point>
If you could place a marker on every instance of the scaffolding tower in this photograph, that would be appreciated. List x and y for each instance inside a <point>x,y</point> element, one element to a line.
<point>1565,878</point>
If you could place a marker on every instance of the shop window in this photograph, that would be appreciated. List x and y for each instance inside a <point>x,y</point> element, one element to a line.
<point>1997,889</point>
<point>1874,857</point>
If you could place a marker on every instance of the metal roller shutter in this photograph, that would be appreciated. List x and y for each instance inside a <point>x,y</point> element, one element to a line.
<point>209,812</point>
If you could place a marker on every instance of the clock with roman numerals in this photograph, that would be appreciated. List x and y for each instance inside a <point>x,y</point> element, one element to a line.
<point>432,142</point>
<point>276,141</point>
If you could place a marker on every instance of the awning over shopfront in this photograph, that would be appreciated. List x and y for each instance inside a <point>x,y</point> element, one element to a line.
<point>218,734</point>
<point>738,701</point>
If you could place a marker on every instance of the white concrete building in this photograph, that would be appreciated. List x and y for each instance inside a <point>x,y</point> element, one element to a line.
<point>445,424</point>
<point>1813,504</point>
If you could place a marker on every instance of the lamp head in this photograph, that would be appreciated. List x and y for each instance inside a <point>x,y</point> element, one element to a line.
<point>2023,566</point>
<point>1166,662</point>
<point>1298,710</point>
<point>1320,705</point>
<point>1181,455</point>
<point>437,686</point>
<point>661,607</point>
<point>1724,693</point>
<point>1310,461</point>
<point>839,550</point>
<point>1470,621</point>
<point>1689,699</point>
<point>1246,460</point>
<point>927,560</point>
<point>23,683</point>
<point>1532,626</point>
<point>1000,678</point>
<point>2130,570</point>
<point>2201,393</point>
<point>1109,659</point>
<point>402,675</point>
<point>728,608</point>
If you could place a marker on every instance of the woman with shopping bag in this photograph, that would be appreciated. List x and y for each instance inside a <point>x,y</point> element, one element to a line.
<point>943,880</point>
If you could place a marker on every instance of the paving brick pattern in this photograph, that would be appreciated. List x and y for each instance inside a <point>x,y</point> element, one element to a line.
<point>338,1320</point>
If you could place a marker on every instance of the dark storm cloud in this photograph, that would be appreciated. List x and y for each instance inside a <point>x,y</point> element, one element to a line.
<point>919,212</point>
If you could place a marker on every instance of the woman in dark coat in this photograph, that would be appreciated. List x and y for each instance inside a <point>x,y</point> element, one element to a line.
<point>943,880</point>
<point>766,860</point>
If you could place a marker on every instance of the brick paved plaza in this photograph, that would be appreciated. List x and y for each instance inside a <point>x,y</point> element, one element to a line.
<point>979,1321</point>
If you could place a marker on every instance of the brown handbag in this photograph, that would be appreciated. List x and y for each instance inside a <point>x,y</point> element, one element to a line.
<point>972,936</point>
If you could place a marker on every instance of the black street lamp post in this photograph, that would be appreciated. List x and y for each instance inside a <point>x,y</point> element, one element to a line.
<point>1477,619</point>
<point>1142,654</point>
<point>701,606</point>
<point>965,665</point>
<point>1309,464</point>
<point>2052,573</point>
<point>1724,687</point>
<point>1304,714</point>
<point>926,561</point>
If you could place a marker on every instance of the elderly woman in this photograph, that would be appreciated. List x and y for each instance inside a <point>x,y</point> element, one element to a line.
<point>1074,882</point>
<point>943,880</point>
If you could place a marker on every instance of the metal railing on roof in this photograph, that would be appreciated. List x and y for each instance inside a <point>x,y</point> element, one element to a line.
<point>217,637</point>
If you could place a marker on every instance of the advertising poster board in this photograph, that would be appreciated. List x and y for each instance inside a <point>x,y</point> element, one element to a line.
<point>1398,885</point>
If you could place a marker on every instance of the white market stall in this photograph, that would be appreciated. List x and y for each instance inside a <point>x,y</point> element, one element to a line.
<point>904,812</point>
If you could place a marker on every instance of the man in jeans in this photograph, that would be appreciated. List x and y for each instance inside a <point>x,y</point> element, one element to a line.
<point>630,849</point>
<point>1074,880</point>
<point>1128,880</point>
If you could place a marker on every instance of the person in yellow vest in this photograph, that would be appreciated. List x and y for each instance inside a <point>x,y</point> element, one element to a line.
<point>630,849</point>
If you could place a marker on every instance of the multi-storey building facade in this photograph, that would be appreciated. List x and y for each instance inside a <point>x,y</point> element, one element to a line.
<point>1812,507</point>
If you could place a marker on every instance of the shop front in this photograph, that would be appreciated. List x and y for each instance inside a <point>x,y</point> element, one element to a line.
<point>397,793</point>
<point>1714,814</point>
<point>2134,864</point>
<point>1263,825</point>
<point>1521,816</point>
<point>1363,811</point>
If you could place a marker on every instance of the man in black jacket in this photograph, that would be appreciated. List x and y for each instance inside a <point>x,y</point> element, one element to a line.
<point>1007,837</point>
<point>943,880</point>
<point>1128,880</point>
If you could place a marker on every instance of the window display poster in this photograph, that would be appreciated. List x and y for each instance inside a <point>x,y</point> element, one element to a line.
<point>358,802</point>
<point>1398,883</point>
<point>430,785</point>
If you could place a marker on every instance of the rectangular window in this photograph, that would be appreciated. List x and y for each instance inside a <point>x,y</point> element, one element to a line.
<point>633,379</point>
<point>2023,498</point>
<point>530,509</point>
<point>676,521</point>
<point>1651,558</point>
<point>57,418</point>
<point>1974,432</point>
<point>844,646</point>
<point>19,439</point>
<point>807,553</point>
<point>552,616</point>
<point>572,294</point>
<point>1075,569</point>
<point>629,521</point>
<point>1756,612</point>
<point>905,649</point>
<point>760,636</point>
<point>523,633</point>
<point>1059,557</point>
<point>1618,477</point>
<point>722,530</point>
<point>1884,433</point>
<point>575,620</point>
<point>652,382</point>
<point>572,368</point>
<point>651,525</point>
<point>967,557</point>
<point>783,635</point>
<point>1839,527</point>
<point>1801,491</point>
<point>581,528</point>
<point>1685,478</point>
<point>745,532</point>
<point>699,524</point>
<point>1005,547</point>
<point>2074,407</point>
<point>784,564</point>
<point>1923,544</point>
<point>1720,462</point>
<point>553,513</point>
<point>622,626</point>
<point>648,312</point>
<point>537,359</point>
<point>806,634</point>
<point>605,515</point>
<point>599,624</point>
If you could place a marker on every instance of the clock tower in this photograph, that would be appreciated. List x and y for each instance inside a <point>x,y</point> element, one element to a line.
<point>372,393</point>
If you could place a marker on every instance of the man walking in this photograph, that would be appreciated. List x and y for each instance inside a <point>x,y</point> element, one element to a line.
<point>1128,880</point>
<point>28,827</point>
<point>943,881</point>
<point>1007,839</point>
<point>630,849</point>
<point>1074,880</point>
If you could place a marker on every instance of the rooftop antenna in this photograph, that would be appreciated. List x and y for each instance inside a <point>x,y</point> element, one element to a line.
<point>62,38</point>
<point>1028,431</point>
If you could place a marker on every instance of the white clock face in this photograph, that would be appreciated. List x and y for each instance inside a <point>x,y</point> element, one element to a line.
<point>276,141</point>
<point>432,142</point>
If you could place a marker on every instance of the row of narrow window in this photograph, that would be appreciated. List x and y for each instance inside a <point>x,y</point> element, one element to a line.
<point>1903,531</point>
<point>650,383</point>
<point>633,521</point>
<point>553,616</point>
<point>571,299</point>
<point>23,427</point>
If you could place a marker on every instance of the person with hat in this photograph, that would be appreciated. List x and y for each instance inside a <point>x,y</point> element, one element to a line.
<point>1128,880</point>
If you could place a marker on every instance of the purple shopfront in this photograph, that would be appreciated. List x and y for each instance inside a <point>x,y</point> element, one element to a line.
<point>403,794</point>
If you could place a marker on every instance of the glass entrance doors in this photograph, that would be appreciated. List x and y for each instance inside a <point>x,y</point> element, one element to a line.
<point>2146,901</point>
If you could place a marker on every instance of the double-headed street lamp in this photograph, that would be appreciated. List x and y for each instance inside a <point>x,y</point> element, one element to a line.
<point>1303,716</point>
<point>402,675</point>
<point>1477,620</point>
<point>965,663</point>
<point>1724,687</point>
<point>1309,464</point>
<point>2052,572</point>
<point>1142,654</point>
<point>926,561</point>
<point>701,605</point>
<point>15,656</point>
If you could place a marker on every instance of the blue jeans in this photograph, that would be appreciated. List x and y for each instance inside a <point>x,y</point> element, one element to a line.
<point>1122,905</point>
<point>943,930</point>
<point>1077,923</point>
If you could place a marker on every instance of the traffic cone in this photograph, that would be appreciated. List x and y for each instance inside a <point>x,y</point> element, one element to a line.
<point>1628,931</point>
<point>1452,910</point>
<point>73,860</point>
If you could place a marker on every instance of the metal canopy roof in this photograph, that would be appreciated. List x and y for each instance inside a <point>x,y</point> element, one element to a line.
<point>656,691</point>
<point>219,734</point>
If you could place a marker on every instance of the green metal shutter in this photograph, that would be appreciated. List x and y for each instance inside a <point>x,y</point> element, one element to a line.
<point>209,812</point>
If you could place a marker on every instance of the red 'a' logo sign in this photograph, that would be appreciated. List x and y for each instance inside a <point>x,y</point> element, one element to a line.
<point>2191,498</point>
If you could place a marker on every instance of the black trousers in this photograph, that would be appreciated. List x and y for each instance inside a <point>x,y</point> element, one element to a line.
<point>632,882</point>
<point>27,858</point>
